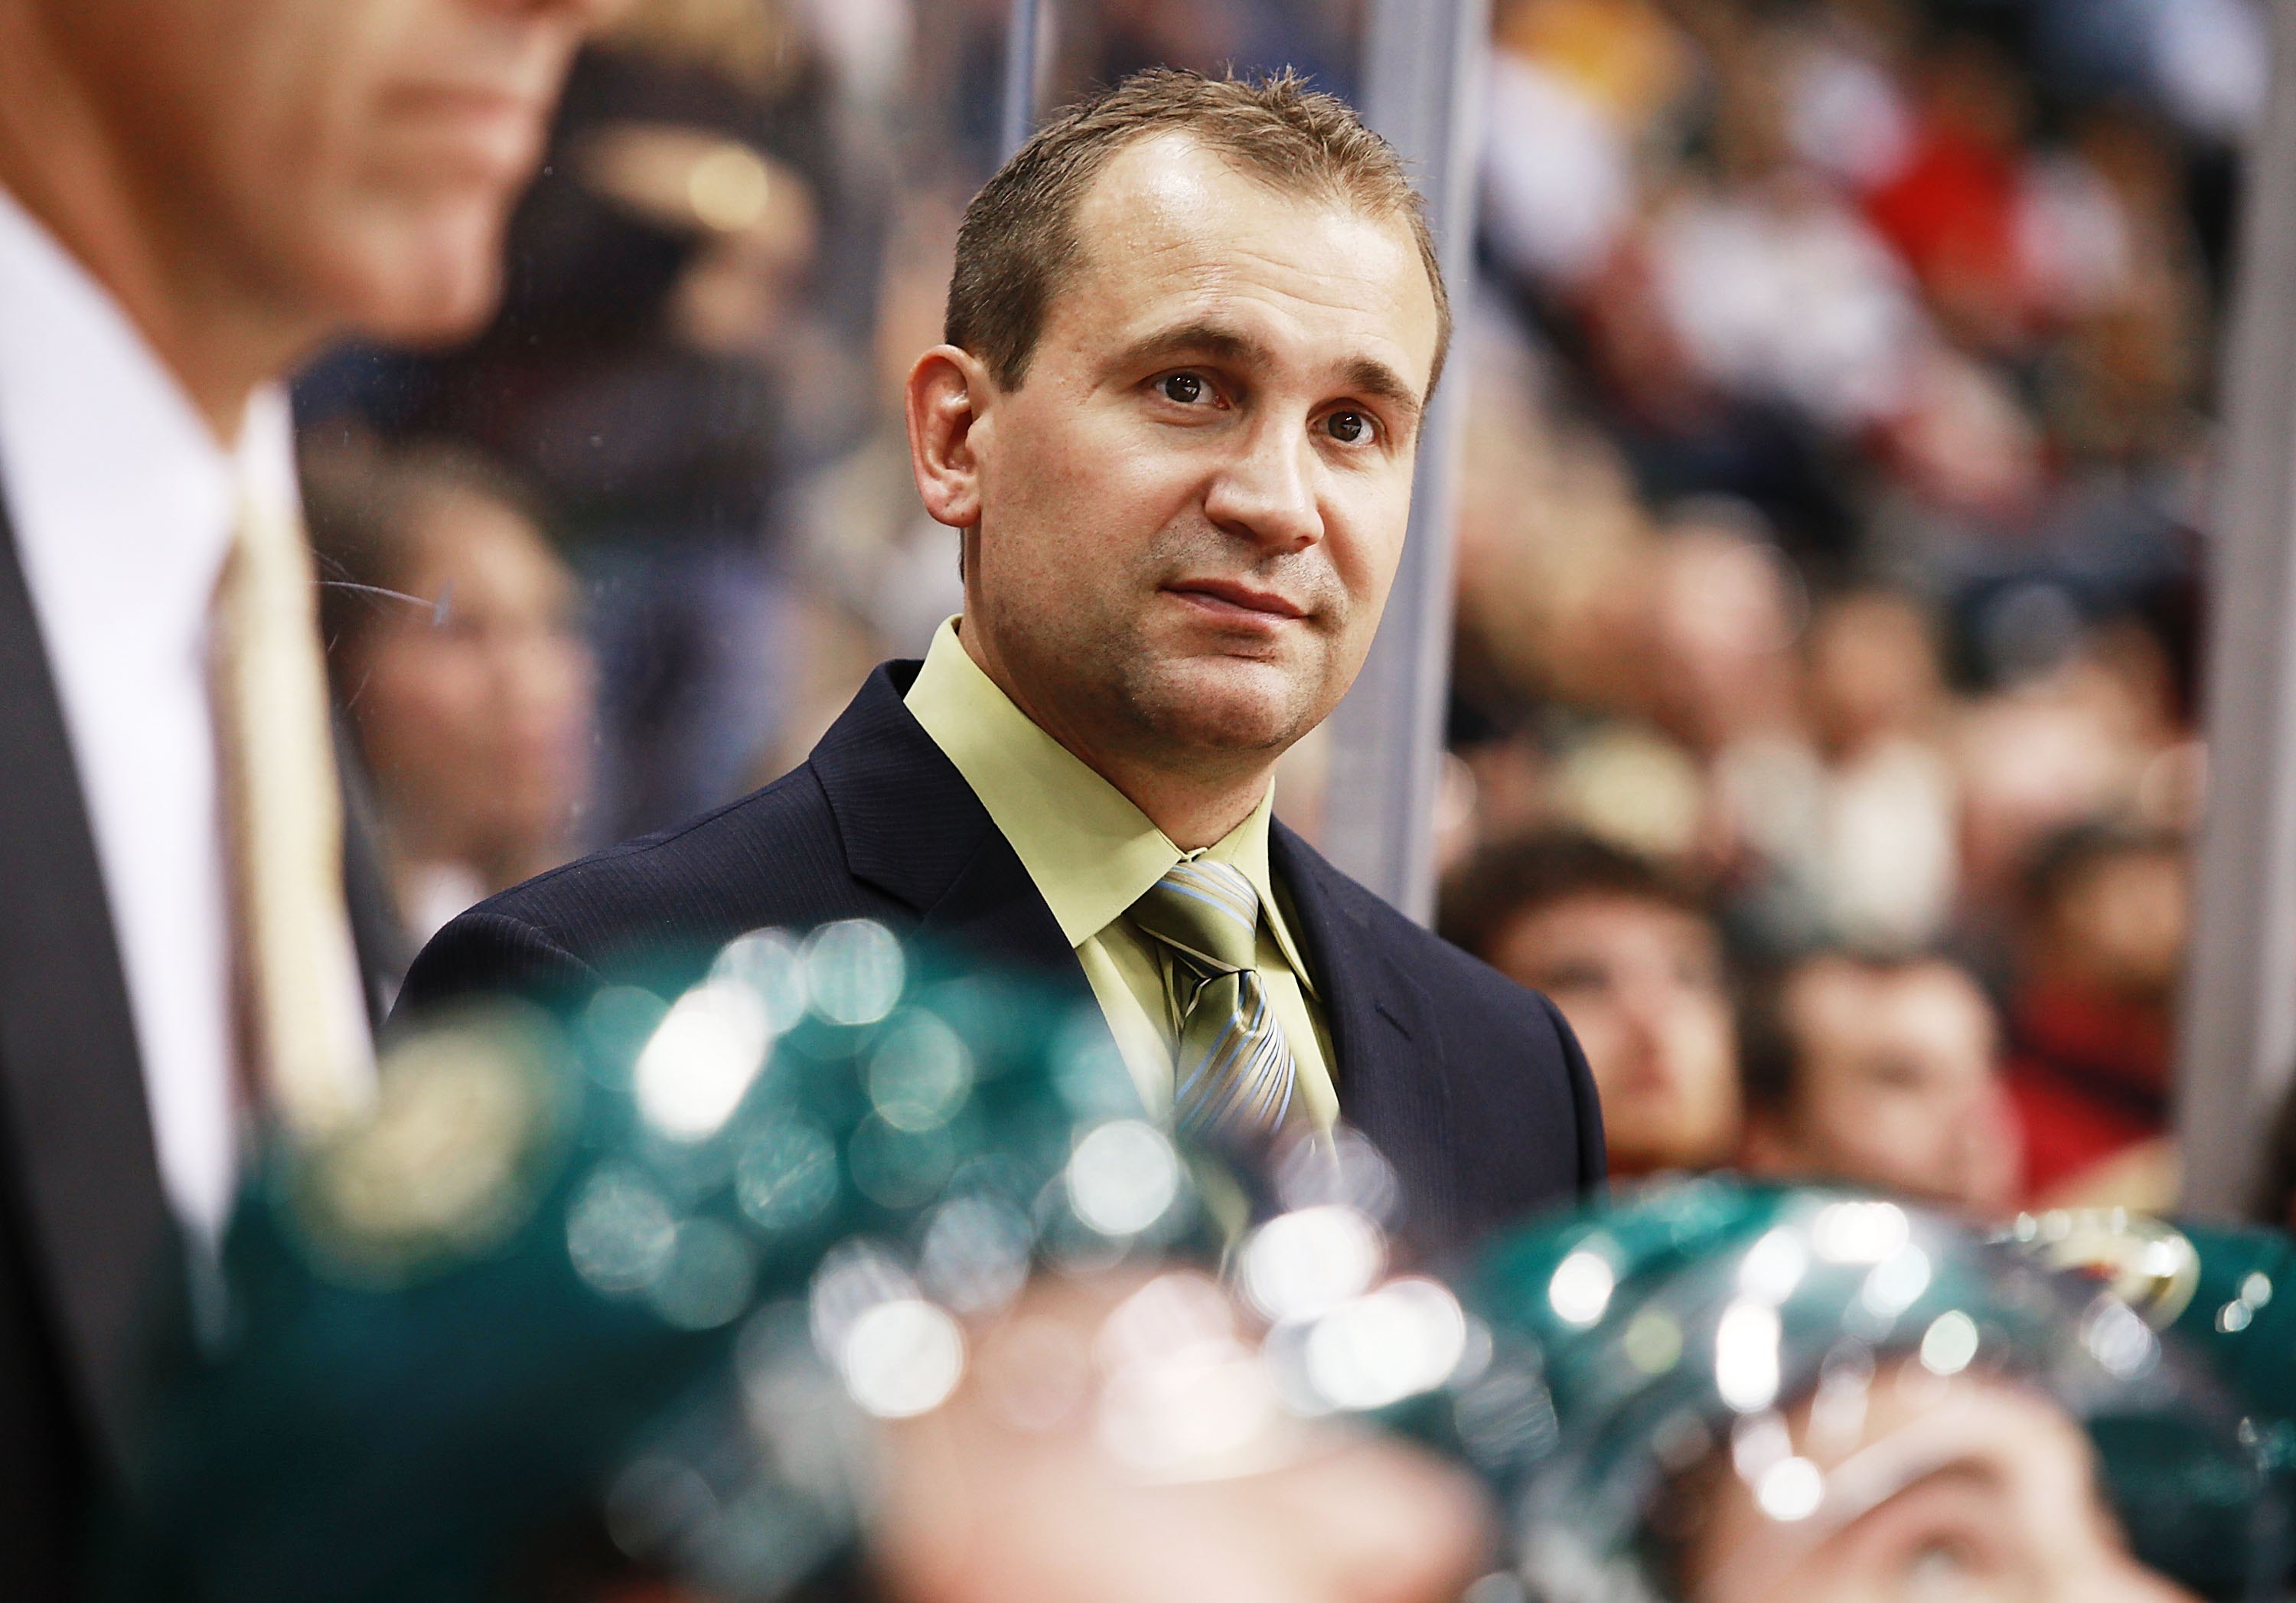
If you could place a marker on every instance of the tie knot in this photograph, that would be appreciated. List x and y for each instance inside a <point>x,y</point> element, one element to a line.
<point>1207,911</point>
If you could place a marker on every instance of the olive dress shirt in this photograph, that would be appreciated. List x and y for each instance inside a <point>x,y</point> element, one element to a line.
<point>1091,854</point>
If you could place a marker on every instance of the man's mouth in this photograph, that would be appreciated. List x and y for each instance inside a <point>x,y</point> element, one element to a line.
<point>1236,602</point>
<point>487,128</point>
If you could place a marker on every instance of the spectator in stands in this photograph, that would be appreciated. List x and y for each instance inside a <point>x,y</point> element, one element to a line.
<point>1880,1073</point>
<point>2092,1017</point>
<point>1635,962</point>
<point>454,645</point>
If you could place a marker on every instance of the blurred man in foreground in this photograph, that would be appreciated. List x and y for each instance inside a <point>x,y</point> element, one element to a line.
<point>195,196</point>
<point>1192,330</point>
<point>1635,964</point>
<point>1879,1074</point>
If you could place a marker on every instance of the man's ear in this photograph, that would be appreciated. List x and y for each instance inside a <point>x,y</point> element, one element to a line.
<point>948,392</point>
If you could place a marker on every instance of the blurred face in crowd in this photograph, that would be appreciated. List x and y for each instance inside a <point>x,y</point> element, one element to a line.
<point>1896,1087</point>
<point>1181,527</point>
<point>2118,924</point>
<point>1966,1491</point>
<point>283,168</point>
<point>475,714</point>
<point>1873,672</point>
<point>1641,983</point>
<point>1724,622</point>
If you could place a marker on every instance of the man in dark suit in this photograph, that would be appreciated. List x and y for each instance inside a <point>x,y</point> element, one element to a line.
<point>1192,331</point>
<point>194,195</point>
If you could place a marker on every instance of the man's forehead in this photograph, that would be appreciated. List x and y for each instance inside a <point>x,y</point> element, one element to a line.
<point>1172,237</point>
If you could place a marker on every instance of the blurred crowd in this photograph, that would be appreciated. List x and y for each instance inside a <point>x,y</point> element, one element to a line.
<point>1836,484</point>
<point>1823,734</point>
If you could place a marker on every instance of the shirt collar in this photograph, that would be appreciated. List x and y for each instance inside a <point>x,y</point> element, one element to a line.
<point>1090,852</point>
<point>111,473</point>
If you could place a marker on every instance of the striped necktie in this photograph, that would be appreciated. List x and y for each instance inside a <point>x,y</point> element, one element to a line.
<point>1233,1073</point>
<point>303,1022</point>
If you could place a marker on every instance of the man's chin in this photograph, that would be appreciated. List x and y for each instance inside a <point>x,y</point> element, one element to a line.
<point>431,285</point>
<point>1228,704</point>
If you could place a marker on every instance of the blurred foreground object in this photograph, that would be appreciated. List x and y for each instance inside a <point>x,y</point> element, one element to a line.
<point>1720,1393</point>
<point>835,1261</point>
<point>541,1333</point>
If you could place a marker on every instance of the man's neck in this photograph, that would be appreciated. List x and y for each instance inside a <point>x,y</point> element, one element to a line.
<point>1194,809</point>
<point>61,164</point>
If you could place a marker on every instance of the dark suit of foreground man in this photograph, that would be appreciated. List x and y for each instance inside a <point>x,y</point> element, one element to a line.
<point>195,196</point>
<point>1192,331</point>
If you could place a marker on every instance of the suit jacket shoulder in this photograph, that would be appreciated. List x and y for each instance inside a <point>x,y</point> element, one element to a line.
<point>877,824</point>
<point>652,910</point>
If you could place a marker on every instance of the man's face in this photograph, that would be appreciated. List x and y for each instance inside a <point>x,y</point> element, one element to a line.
<point>1896,1090</point>
<point>351,159</point>
<point>1641,983</point>
<point>1968,1490</point>
<point>1191,510</point>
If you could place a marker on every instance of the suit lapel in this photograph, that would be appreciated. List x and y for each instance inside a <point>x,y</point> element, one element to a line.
<point>1383,1032</point>
<point>912,828</point>
<point>77,1134</point>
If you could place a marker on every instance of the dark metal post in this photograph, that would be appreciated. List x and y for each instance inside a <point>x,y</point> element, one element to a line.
<point>2239,1027</point>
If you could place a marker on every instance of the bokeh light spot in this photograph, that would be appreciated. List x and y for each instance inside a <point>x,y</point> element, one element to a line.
<point>1402,1339</point>
<point>1791,1489</point>
<point>1299,1264</point>
<point>1580,1288</point>
<point>920,1075</point>
<point>854,971</point>
<point>619,1233</point>
<point>1950,1344</point>
<point>701,1060</point>
<point>787,1178</point>
<point>902,1357</point>
<point>1123,1177</point>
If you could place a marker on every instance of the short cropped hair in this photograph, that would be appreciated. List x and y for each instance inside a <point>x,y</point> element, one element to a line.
<point>1510,880</point>
<point>1017,248</point>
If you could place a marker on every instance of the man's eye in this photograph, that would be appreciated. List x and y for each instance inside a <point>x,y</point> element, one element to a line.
<point>1348,427</point>
<point>1185,388</point>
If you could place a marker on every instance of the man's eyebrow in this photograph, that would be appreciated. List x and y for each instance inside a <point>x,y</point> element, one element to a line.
<point>1366,376</point>
<point>1376,381</point>
<point>1213,340</point>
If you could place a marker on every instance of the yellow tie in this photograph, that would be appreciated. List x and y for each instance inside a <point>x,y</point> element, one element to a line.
<point>302,1017</point>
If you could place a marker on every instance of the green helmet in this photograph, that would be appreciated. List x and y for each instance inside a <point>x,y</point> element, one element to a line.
<point>1640,1350</point>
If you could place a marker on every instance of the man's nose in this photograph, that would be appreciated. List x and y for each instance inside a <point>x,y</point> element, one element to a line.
<point>1266,491</point>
